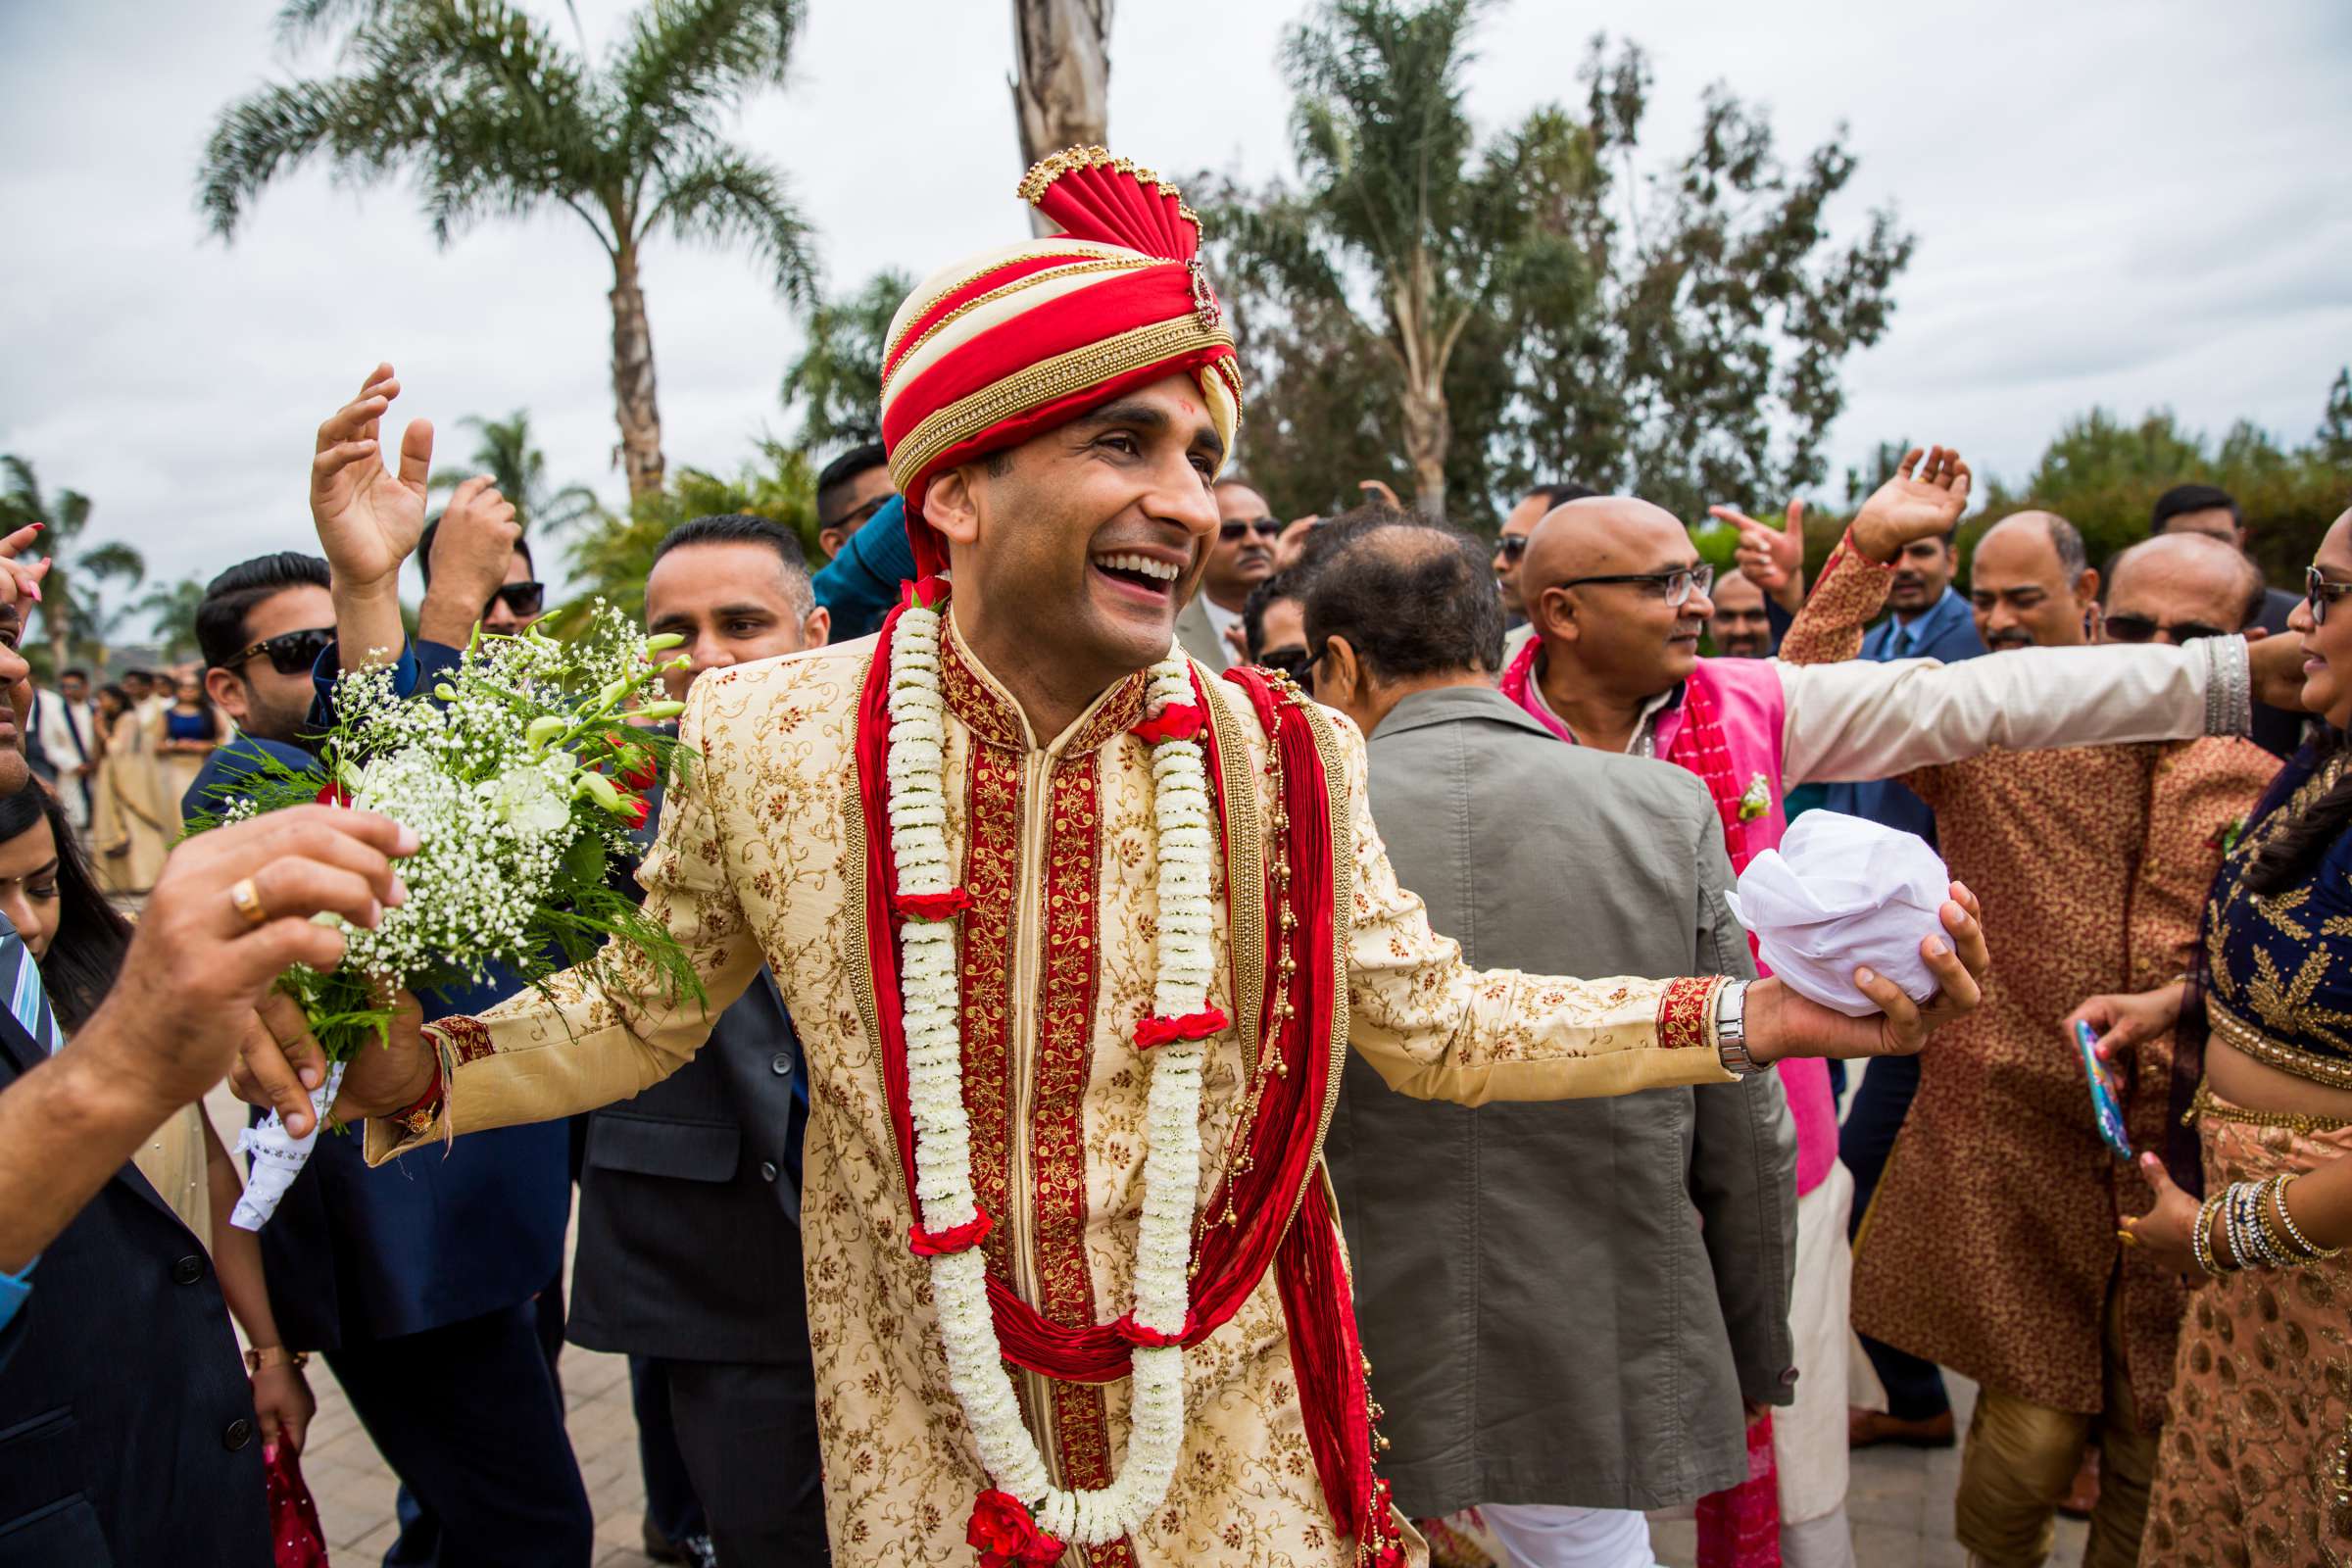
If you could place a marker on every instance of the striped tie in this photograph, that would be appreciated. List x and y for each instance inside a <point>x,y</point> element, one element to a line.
<point>27,1001</point>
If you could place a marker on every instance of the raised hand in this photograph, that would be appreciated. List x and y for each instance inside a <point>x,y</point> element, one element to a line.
<point>368,517</point>
<point>1781,1023</point>
<point>471,550</point>
<point>1772,557</point>
<point>1923,501</point>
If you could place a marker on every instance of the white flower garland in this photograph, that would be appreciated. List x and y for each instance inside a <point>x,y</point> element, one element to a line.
<point>929,988</point>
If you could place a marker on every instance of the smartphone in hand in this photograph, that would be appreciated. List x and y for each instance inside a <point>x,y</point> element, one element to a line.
<point>2106,1100</point>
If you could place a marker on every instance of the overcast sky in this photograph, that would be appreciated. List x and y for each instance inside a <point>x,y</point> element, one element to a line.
<point>2122,204</point>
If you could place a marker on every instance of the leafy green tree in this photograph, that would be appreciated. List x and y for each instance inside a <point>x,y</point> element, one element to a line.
<point>71,595</point>
<point>1494,314</point>
<point>504,448</point>
<point>493,116</point>
<point>613,560</point>
<point>2103,475</point>
<point>837,381</point>
<point>2335,425</point>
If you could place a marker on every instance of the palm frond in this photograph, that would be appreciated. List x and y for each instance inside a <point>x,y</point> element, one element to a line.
<point>684,59</point>
<point>723,196</point>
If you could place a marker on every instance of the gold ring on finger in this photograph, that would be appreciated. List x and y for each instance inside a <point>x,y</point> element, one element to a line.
<point>247,901</point>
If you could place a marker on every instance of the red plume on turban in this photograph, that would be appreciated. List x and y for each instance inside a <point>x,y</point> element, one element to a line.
<point>1005,345</point>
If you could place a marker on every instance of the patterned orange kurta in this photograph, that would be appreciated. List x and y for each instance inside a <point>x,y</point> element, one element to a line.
<point>1992,1239</point>
<point>761,857</point>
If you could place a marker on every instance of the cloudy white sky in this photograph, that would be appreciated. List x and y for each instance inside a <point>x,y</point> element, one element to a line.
<point>2128,203</point>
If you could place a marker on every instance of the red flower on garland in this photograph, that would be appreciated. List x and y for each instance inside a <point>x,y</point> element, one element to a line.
<point>934,905</point>
<point>1178,721</point>
<point>928,592</point>
<point>1160,1030</point>
<point>954,1239</point>
<point>334,794</point>
<point>1006,1536</point>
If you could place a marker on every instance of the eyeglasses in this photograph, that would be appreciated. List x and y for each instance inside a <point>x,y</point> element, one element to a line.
<point>1673,585</point>
<point>1291,658</point>
<point>2322,593</point>
<point>1232,529</point>
<point>522,600</point>
<point>2140,629</point>
<point>858,517</point>
<point>291,653</point>
<point>1511,545</point>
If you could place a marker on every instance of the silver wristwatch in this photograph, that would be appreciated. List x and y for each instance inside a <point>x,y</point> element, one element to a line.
<point>1730,1031</point>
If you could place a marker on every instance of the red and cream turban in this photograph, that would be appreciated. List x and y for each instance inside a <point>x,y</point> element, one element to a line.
<point>1001,346</point>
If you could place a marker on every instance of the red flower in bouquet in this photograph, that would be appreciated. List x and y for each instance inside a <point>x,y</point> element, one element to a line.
<point>632,811</point>
<point>1004,1535</point>
<point>334,794</point>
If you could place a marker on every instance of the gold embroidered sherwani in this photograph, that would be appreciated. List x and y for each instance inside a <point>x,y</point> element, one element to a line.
<point>761,857</point>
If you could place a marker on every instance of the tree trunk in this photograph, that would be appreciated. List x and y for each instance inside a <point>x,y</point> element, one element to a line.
<point>1428,431</point>
<point>633,403</point>
<point>1061,94</point>
<point>56,611</point>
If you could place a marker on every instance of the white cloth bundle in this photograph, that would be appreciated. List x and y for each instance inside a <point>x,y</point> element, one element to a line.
<point>1841,893</point>
<point>275,1157</point>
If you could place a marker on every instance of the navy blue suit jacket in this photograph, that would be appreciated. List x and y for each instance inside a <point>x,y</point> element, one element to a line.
<point>1946,632</point>
<point>356,1254</point>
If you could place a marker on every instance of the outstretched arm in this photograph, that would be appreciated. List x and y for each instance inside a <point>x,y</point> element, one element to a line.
<point>1923,499</point>
<point>368,518</point>
<point>1437,1029</point>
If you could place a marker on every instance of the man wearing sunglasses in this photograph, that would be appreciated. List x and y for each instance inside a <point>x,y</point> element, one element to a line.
<point>509,608</point>
<point>851,491</point>
<point>2094,862</point>
<point>260,626</point>
<point>1241,555</point>
<point>1510,549</point>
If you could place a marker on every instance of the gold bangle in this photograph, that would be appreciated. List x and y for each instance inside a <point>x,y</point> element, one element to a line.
<point>275,1356</point>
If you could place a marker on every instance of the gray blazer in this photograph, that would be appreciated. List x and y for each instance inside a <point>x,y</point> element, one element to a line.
<point>1563,1304</point>
<point>1196,635</point>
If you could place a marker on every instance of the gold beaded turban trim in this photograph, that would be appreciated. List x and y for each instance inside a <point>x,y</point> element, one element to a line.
<point>1014,341</point>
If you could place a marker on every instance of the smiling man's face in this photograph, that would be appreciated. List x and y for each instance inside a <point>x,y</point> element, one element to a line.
<point>1090,535</point>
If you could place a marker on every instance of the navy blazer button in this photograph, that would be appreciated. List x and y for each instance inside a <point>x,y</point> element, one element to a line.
<point>189,1271</point>
<point>768,1170</point>
<point>780,1064</point>
<point>238,1433</point>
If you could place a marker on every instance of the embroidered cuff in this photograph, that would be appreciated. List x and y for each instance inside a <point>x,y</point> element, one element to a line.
<point>1686,1013</point>
<point>2229,686</point>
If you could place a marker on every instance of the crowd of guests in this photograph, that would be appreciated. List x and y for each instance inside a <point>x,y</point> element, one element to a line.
<point>1579,736</point>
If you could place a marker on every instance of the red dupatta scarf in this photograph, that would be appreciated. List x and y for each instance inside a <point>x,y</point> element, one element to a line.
<point>1281,1180</point>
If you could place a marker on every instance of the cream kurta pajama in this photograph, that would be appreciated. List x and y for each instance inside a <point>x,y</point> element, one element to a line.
<point>760,859</point>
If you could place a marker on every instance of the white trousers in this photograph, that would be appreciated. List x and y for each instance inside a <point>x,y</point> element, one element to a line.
<point>1536,1534</point>
<point>1808,1437</point>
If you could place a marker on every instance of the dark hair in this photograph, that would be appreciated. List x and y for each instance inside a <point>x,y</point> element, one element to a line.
<point>2285,860</point>
<point>1413,597</point>
<point>75,673</point>
<point>232,596</point>
<point>858,460</point>
<point>92,937</point>
<point>1262,594</point>
<point>110,689</point>
<point>2186,498</point>
<point>424,549</point>
<point>745,529</point>
<point>2074,555</point>
<point>1561,494</point>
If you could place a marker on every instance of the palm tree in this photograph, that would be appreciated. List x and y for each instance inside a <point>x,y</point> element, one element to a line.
<point>613,560</point>
<point>169,610</point>
<point>1062,93</point>
<point>493,116</point>
<point>506,451</point>
<point>69,595</point>
<point>838,378</point>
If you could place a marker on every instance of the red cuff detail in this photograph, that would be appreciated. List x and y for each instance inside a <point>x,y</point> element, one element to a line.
<point>1178,721</point>
<point>956,1239</point>
<point>1685,1010</point>
<point>1159,1030</point>
<point>1134,1332</point>
<point>425,1109</point>
<point>1848,551</point>
<point>934,905</point>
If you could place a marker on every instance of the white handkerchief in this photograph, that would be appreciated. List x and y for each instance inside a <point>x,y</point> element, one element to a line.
<point>1839,893</point>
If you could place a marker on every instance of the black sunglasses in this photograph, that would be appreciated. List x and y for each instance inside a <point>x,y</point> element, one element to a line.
<point>2140,629</point>
<point>1511,545</point>
<point>858,517</point>
<point>2322,593</point>
<point>1673,585</point>
<point>1292,660</point>
<point>291,653</point>
<point>523,600</point>
<point>1234,529</point>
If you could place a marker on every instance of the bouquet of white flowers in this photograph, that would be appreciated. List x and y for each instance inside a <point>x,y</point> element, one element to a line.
<point>522,775</point>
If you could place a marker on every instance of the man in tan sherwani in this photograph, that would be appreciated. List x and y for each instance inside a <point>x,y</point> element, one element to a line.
<point>1057,411</point>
